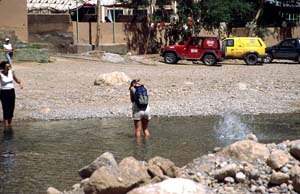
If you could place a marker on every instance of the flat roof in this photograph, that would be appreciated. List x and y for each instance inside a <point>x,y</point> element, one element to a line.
<point>63,5</point>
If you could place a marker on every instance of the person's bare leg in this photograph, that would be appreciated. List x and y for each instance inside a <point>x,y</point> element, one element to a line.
<point>138,128</point>
<point>145,127</point>
<point>5,122</point>
<point>5,125</point>
<point>9,121</point>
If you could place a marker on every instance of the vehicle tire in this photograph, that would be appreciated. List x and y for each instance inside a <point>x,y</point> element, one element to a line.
<point>251,59</point>
<point>209,59</point>
<point>170,58</point>
<point>268,58</point>
<point>299,59</point>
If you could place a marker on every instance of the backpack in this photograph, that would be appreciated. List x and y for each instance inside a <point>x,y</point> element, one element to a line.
<point>141,97</point>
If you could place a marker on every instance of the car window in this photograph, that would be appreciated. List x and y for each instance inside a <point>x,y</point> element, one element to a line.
<point>260,44</point>
<point>253,42</point>
<point>288,44</point>
<point>229,42</point>
<point>195,41</point>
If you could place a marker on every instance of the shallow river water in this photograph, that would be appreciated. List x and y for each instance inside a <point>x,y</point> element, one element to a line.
<point>41,154</point>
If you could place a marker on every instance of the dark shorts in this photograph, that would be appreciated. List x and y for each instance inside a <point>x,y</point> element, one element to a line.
<point>7,98</point>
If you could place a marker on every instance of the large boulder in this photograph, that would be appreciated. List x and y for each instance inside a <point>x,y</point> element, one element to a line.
<point>105,180</point>
<point>106,159</point>
<point>155,171</point>
<point>130,174</point>
<point>173,186</point>
<point>247,150</point>
<point>295,148</point>
<point>278,159</point>
<point>167,166</point>
<point>133,171</point>
<point>112,79</point>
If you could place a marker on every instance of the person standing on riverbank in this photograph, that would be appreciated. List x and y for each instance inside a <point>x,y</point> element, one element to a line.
<point>7,95</point>
<point>8,50</point>
<point>140,108</point>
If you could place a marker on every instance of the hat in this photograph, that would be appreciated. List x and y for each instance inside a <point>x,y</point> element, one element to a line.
<point>134,81</point>
<point>6,39</point>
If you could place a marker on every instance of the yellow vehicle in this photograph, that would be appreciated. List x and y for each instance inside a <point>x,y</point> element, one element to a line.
<point>250,49</point>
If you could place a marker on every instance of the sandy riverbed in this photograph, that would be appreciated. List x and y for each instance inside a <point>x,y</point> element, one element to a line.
<point>64,89</point>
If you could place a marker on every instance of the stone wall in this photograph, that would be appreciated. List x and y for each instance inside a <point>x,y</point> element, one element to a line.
<point>13,19</point>
<point>133,35</point>
<point>87,33</point>
<point>44,23</point>
<point>55,30</point>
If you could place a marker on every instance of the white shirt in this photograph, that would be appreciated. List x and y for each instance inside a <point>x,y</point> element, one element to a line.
<point>8,47</point>
<point>7,80</point>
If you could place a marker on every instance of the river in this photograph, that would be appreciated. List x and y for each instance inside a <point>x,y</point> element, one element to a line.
<point>40,154</point>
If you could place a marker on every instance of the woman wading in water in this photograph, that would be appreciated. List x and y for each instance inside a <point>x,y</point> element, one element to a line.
<point>140,108</point>
<point>7,93</point>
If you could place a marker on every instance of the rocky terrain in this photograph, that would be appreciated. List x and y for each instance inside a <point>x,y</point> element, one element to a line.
<point>67,87</point>
<point>246,166</point>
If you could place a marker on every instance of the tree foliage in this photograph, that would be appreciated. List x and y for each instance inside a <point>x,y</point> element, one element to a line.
<point>209,14</point>
<point>187,8</point>
<point>232,12</point>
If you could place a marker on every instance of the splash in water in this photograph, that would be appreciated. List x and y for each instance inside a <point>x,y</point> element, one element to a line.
<point>230,127</point>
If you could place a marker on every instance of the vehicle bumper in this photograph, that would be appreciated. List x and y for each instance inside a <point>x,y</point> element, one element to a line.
<point>220,59</point>
<point>263,56</point>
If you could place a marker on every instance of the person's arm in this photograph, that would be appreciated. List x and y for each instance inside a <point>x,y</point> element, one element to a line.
<point>18,80</point>
<point>4,49</point>
<point>131,94</point>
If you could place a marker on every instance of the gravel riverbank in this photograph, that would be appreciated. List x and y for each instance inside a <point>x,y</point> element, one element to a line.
<point>64,89</point>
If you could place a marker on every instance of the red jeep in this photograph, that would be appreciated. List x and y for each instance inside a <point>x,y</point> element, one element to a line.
<point>205,49</point>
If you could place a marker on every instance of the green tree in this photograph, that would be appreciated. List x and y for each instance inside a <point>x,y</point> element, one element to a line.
<point>235,13</point>
<point>192,9</point>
